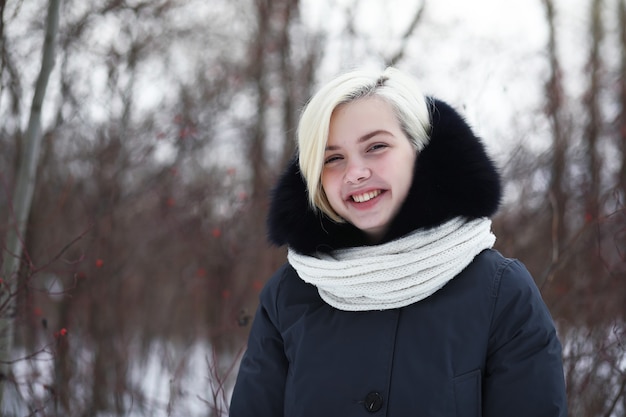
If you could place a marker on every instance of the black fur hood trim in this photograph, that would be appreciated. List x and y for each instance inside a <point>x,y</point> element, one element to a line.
<point>453,176</point>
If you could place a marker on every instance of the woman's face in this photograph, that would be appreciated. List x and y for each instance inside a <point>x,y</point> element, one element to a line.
<point>368,165</point>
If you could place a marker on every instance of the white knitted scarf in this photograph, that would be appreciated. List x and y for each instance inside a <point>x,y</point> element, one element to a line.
<point>397,273</point>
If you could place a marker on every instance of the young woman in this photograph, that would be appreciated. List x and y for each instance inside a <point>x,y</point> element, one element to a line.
<point>393,302</point>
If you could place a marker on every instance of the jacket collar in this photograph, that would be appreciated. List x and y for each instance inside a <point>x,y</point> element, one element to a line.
<point>453,176</point>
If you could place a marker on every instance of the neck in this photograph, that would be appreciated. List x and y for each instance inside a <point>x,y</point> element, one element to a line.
<point>397,273</point>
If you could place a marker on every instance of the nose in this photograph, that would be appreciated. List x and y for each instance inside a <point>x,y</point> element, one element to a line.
<point>356,171</point>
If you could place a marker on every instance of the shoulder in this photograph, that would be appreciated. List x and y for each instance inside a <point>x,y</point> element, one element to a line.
<point>490,260</point>
<point>286,292</point>
<point>511,278</point>
<point>274,284</point>
<point>494,281</point>
<point>482,275</point>
<point>500,272</point>
<point>284,280</point>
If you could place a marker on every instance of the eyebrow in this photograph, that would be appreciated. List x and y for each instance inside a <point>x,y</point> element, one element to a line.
<point>363,138</point>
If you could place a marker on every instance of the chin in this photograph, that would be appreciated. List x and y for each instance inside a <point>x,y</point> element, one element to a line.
<point>372,230</point>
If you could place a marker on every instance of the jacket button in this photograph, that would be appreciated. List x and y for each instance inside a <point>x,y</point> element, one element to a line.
<point>373,402</point>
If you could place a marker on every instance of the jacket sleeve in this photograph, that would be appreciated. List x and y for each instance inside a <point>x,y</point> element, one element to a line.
<point>260,385</point>
<point>524,371</point>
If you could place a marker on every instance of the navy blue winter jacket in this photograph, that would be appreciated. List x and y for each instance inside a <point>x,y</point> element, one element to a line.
<point>483,345</point>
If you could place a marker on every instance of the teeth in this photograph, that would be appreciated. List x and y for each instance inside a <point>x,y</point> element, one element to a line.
<point>362,198</point>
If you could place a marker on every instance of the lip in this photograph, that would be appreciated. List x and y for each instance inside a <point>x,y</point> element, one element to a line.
<point>365,204</point>
<point>350,197</point>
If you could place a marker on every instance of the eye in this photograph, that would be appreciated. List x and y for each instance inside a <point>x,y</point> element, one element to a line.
<point>377,146</point>
<point>332,158</point>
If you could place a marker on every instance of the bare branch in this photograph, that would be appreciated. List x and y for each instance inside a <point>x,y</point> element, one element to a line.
<point>408,33</point>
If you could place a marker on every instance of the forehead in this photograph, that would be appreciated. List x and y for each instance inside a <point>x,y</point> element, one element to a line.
<point>364,105</point>
<point>355,119</point>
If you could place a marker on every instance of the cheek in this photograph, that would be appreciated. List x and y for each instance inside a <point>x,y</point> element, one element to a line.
<point>328,183</point>
<point>404,171</point>
<point>324,182</point>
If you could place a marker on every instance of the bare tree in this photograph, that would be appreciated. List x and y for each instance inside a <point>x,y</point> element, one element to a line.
<point>621,120</point>
<point>407,36</point>
<point>592,109</point>
<point>554,110</point>
<point>25,186</point>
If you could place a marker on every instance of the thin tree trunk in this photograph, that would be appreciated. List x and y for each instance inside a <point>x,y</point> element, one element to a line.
<point>256,147</point>
<point>287,76</point>
<point>622,97</point>
<point>554,110</point>
<point>592,130</point>
<point>25,186</point>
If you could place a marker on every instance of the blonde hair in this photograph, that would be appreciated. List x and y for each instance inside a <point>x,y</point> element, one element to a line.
<point>391,85</point>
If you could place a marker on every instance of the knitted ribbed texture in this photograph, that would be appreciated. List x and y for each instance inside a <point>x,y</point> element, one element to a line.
<point>397,273</point>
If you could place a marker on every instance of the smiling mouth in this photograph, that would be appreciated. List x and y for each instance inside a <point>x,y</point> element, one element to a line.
<point>362,198</point>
